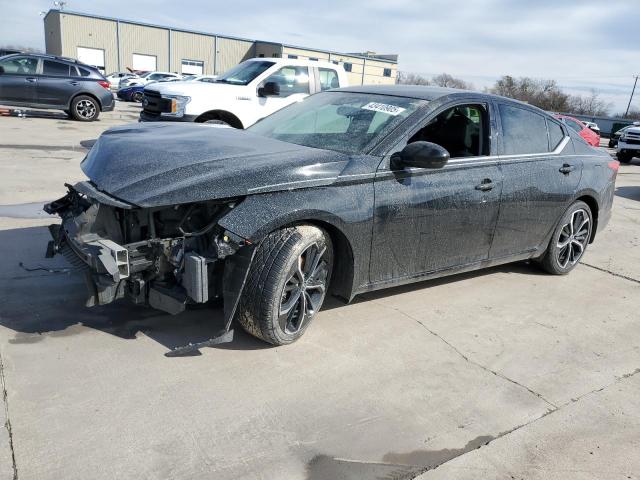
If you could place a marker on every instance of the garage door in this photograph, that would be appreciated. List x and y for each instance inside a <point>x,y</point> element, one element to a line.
<point>192,67</point>
<point>92,56</point>
<point>146,63</point>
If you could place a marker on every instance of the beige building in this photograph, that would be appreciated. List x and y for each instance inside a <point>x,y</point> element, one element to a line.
<point>113,45</point>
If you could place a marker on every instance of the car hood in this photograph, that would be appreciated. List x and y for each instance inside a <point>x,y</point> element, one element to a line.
<point>156,164</point>
<point>192,88</point>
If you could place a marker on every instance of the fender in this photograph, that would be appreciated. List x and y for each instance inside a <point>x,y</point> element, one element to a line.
<point>346,211</point>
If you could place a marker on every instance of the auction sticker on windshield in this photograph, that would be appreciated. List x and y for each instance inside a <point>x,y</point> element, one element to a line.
<point>384,108</point>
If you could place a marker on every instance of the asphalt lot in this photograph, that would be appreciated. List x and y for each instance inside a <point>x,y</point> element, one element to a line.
<point>502,373</point>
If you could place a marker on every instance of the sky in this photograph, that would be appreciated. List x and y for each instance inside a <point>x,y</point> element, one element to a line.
<point>583,44</point>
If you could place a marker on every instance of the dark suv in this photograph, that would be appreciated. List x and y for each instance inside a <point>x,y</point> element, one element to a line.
<point>47,81</point>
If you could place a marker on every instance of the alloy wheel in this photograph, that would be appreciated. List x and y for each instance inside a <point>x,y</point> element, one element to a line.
<point>304,290</point>
<point>86,109</point>
<point>573,239</point>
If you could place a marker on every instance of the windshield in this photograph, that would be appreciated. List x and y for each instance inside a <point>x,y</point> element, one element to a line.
<point>243,73</point>
<point>145,75</point>
<point>342,121</point>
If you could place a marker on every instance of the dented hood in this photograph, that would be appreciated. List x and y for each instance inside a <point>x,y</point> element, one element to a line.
<point>156,164</point>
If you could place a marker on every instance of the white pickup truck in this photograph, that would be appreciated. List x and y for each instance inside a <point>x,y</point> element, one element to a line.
<point>629,144</point>
<point>244,94</point>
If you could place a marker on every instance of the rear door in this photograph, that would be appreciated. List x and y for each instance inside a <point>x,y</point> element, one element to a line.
<point>18,80</point>
<point>427,220</point>
<point>57,83</point>
<point>540,176</point>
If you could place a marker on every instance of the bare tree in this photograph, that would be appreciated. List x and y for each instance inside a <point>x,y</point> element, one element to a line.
<point>633,114</point>
<point>20,48</point>
<point>442,80</point>
<point>589,105</point>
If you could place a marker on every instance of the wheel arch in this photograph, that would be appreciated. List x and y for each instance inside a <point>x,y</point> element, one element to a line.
<point>591,201</point>
<point>85,94</point>
<point>224,115</point>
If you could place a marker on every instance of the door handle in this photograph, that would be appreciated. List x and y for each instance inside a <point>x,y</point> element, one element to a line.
<point>31,80</point>
<point>73,82</point>
<point>485,186</point>
<point>567,169</point>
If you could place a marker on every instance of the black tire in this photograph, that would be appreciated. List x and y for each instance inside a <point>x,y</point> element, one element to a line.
<point>564,252</point>
<point>85,108</point>
<point>273,287</point>
<point>68,113</point>
<point>624,157</point>
<point>137,97</point>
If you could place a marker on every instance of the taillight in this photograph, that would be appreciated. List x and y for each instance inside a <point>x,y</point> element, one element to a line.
<point>614,165</point>
<point>105,84</point>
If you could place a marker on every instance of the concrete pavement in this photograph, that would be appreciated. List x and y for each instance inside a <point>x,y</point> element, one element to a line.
<point>503,373</point>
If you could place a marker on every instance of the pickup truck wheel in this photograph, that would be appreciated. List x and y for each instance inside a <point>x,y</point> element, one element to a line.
<point>569,241</point>
<point>85,108</point>
<point>286,284</point>
<point>137,97</point>
<point>624,157</point>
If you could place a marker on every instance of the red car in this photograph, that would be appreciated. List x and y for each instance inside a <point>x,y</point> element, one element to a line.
<point>591,137</point>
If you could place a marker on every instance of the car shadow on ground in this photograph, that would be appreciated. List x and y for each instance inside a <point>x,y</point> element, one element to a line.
<point>43,298</point>
<point>630,192</point>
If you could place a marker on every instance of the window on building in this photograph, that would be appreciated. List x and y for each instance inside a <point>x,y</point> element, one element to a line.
<point>328,78</point>
<point>335,62</point>
<point>276,55</point>
<point>313,59</point>
<point>347,66</point>
<point>261,55</point>
<point>20,65</point>
<point>192,67</point>
<point>523,131</point>
<point>57,69</point>
<point>291,80</point>
<point>387,72</point>
<point>293,57</point>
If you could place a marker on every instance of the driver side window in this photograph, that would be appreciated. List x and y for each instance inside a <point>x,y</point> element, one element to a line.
<point>291,80</point>
<point>462,130</point>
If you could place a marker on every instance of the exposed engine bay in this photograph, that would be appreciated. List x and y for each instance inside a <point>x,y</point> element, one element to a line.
<point>165,257</point>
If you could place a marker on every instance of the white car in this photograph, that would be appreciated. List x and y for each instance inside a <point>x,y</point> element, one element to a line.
<point>149,77</point>
<point>116,77</point>
<point>593,126</point>
<point>628,144</point>
<point>244,94</point>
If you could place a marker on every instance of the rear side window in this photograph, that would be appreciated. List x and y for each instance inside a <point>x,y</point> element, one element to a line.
<point>84,72</point>
<point>523,131</point>
<point>573,124</point>
<point>57,69</point>
<point>556,134</point>
<point>19,65</point>
<point>328,79</point>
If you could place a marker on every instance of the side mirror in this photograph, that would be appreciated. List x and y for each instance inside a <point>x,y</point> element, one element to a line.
<point>269,89</point>
<point>420,155</point>
<point>1,70</point>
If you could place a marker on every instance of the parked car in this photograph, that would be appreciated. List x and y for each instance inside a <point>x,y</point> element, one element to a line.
<point>116,77</point>
<point>243,95</point>
<point>593,126</point>
<point>591,137</point>
<point>613,141</point>
<point>132,93</point>
<point>347,191</point>
<point>51,82</point>
<point>149,77</point>
<point>628,144</point>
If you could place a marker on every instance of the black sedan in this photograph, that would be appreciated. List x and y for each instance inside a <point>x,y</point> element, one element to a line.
<point>348,191</point>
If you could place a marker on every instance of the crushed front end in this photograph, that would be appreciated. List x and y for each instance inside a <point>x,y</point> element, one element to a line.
<point>164,257</point>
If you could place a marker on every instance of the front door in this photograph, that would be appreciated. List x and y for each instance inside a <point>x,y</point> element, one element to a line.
<point>18,80</point>
<point>541,175</point>
<point>293,81</point>
<point>428,220</point>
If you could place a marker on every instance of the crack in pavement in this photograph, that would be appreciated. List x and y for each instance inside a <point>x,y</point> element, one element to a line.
<point>469,360</point>
<point>604,270</point>
<point>7,425</point>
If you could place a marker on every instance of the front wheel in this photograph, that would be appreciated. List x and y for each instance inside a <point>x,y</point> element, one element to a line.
<point>286,284</point>
<point>624,157</point>
<point>569,240</point>
<point>137,97</point>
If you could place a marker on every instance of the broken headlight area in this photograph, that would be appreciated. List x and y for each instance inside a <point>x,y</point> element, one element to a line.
<point>166,257</point>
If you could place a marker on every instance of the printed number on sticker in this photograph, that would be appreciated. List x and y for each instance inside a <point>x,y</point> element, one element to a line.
<point>384,108</point>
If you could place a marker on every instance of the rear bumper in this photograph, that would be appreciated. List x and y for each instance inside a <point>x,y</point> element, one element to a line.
<point>148,117</point>
<point>108,103</point>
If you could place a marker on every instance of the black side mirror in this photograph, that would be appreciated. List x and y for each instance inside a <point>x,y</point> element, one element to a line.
<point>269,89</point>
<point>420,155</point>
<point>1,70</point>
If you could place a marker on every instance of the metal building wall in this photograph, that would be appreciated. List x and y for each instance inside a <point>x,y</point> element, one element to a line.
<point>231,52</point>
<point>77,31</point>
<point>374,72</point>
<point>145,41</point>
<point>192,46</point>
<point>52,33</point>
<point>268,49</point>
<point>304,53</point>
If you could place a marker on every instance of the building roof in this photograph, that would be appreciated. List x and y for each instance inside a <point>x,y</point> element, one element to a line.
<point>209,34</point>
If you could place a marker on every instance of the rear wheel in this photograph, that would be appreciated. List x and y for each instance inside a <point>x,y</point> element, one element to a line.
<point>569,240</point>
<point>287,284</point>
<point>85,108</point>
<point>137,97</point>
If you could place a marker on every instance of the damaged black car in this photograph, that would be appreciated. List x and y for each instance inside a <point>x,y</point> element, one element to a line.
<point>348,191</point>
